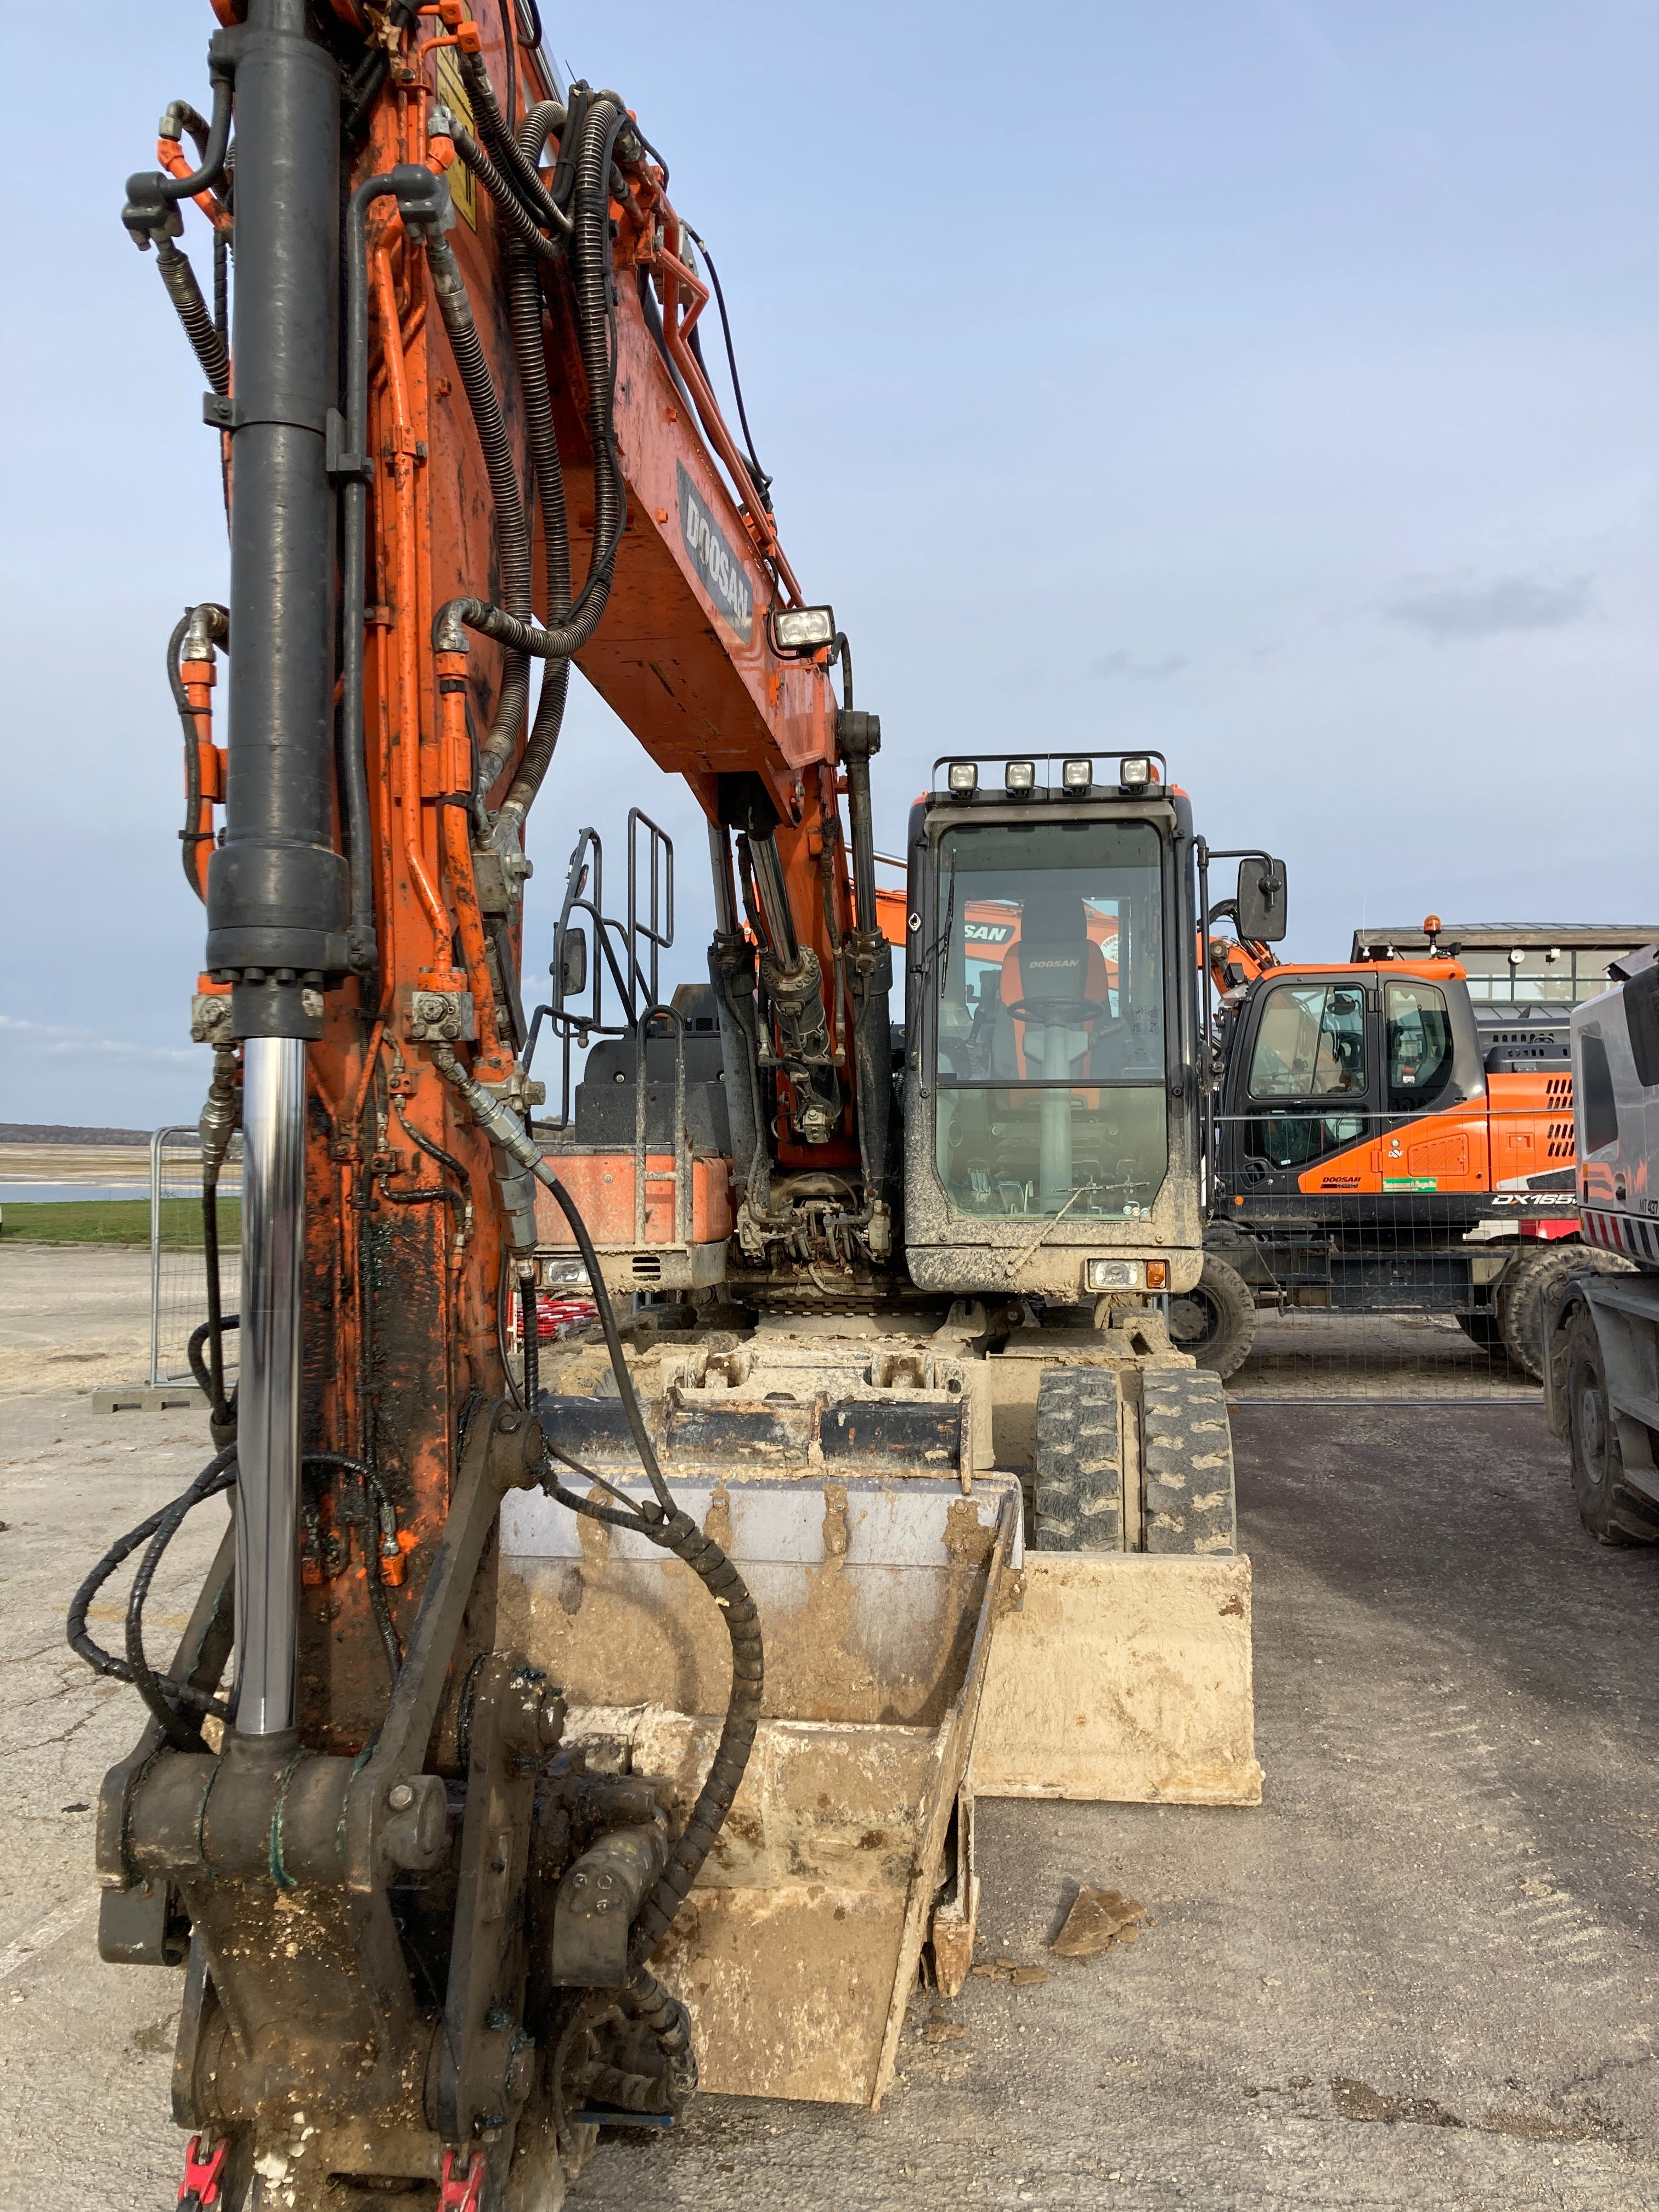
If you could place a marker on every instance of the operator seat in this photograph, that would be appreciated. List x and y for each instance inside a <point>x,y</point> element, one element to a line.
<point>1053,960</point>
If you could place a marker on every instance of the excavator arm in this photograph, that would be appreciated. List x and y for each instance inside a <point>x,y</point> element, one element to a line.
<point>466,433</point>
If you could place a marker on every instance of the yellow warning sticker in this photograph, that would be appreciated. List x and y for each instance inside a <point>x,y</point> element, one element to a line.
<point>463,186</point>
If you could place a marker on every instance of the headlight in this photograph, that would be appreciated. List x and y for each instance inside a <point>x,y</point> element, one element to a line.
<point>563,1275</point>
<point>1077,775</point>
<point>963,778</point>
<point>1115,1275</point>
<point>1135,773</point>
<point>1019,776</point>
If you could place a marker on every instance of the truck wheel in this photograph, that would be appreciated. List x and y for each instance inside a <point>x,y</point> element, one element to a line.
<point>1187,1464</point>
<point>1215,1320</point>
<point>1592,1434</point>
<point>1527,1289</point>
<point>1078,1496</point>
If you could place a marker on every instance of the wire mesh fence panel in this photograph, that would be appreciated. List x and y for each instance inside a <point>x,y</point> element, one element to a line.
<point>1391,1255</point>
<point>178,1262</point>
<point>1305,1357</point>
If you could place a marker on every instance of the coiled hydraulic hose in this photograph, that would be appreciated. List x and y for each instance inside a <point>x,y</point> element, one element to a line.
<point>520,169</point>
<point>522,222</point>
<point>185,294</point>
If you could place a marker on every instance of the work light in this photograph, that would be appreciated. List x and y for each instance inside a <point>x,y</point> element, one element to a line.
<point>803,630</point>
<point>1077,774</point>
<point>963,778</point>
<point>1019,776</point>
<point>1135,772</point>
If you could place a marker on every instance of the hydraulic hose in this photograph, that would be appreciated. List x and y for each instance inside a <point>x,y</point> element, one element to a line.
<point>191,835</point>
<point>218,1474</point>
<point>525,308</point>
<point>665,1525</point>
<point>762,482</point>
<point>213,153</point>
<point>512,530</point>
<point>164,1698</point>
<point>520,169</point>
<point>520,219</point>
<point>185,294</point>
<point>601,121</point>
<point>194,636</point>
<point>530,1329</point>
<point>353,503</point>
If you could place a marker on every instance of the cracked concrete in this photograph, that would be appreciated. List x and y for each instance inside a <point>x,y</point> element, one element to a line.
<point>1424,1973</point>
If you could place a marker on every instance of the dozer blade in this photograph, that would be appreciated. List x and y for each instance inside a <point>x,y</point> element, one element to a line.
<point>1124,1676</point>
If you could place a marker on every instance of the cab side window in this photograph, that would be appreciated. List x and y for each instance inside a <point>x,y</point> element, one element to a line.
<point>1311,1042</point>
<point>1419,1045</point>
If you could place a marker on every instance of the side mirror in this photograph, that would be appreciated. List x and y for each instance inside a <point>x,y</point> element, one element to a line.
<point>570,963</point>
<point>1262,900</point>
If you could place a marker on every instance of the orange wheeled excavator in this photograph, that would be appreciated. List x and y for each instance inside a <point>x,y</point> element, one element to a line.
<point>897,1489</point>
<point>1383,1141</point>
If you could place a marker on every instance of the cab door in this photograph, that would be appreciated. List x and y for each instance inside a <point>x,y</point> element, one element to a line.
<point>1306,1085</point>
<point>1432,1136</point>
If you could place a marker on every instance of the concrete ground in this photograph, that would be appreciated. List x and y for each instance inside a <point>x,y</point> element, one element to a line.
<point>1423,1974</point>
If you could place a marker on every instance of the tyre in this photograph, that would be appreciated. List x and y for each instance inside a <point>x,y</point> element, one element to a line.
<point>1592,1434</point>
<point>1215,1320</point>
<point>1527,1290</point>
<point>1077,1495</point>
<point>1481,1328</point>
<point>1188,1501</point>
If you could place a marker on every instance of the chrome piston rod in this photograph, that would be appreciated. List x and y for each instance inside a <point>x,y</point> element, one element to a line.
<point>268,1399</point>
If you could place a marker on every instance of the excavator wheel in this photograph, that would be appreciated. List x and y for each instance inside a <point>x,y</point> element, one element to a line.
<point>1215,1321</point>
<point>1078,1490</point>
<point>1593,1436</point>
<point>1527,1289</point>
<point>1187,1462</point>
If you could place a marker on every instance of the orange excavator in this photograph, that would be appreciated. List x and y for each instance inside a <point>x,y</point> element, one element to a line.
<point>886,1488</point>
<point>1383,1142</point>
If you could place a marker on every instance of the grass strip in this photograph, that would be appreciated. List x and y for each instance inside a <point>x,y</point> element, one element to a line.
<point>118,1221</point>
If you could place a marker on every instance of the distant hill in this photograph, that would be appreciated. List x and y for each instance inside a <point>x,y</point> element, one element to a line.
<point>55,1133</point>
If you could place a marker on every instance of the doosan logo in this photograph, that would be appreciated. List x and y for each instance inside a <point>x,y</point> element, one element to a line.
<point>722,572</point>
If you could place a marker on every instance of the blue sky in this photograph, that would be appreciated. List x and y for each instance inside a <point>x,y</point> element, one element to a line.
<point>1270,382</point>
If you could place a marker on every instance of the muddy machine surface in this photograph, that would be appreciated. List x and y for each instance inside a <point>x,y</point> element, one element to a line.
<point>558,1728</point>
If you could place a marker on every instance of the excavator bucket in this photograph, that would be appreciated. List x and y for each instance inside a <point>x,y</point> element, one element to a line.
<point>917,1654</point>
<point>878,1596</point>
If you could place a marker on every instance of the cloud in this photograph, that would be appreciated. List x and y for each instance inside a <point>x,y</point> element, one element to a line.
<point>1455,608</point>
<point>1122,662</point>
<point>43,1041</point>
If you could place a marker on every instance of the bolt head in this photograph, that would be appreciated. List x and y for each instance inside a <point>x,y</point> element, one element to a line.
<point>400,1796</point>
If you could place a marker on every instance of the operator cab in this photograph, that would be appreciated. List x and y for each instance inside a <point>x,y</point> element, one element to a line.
<point>1049,1045</point>
<point>1322,1060</point>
